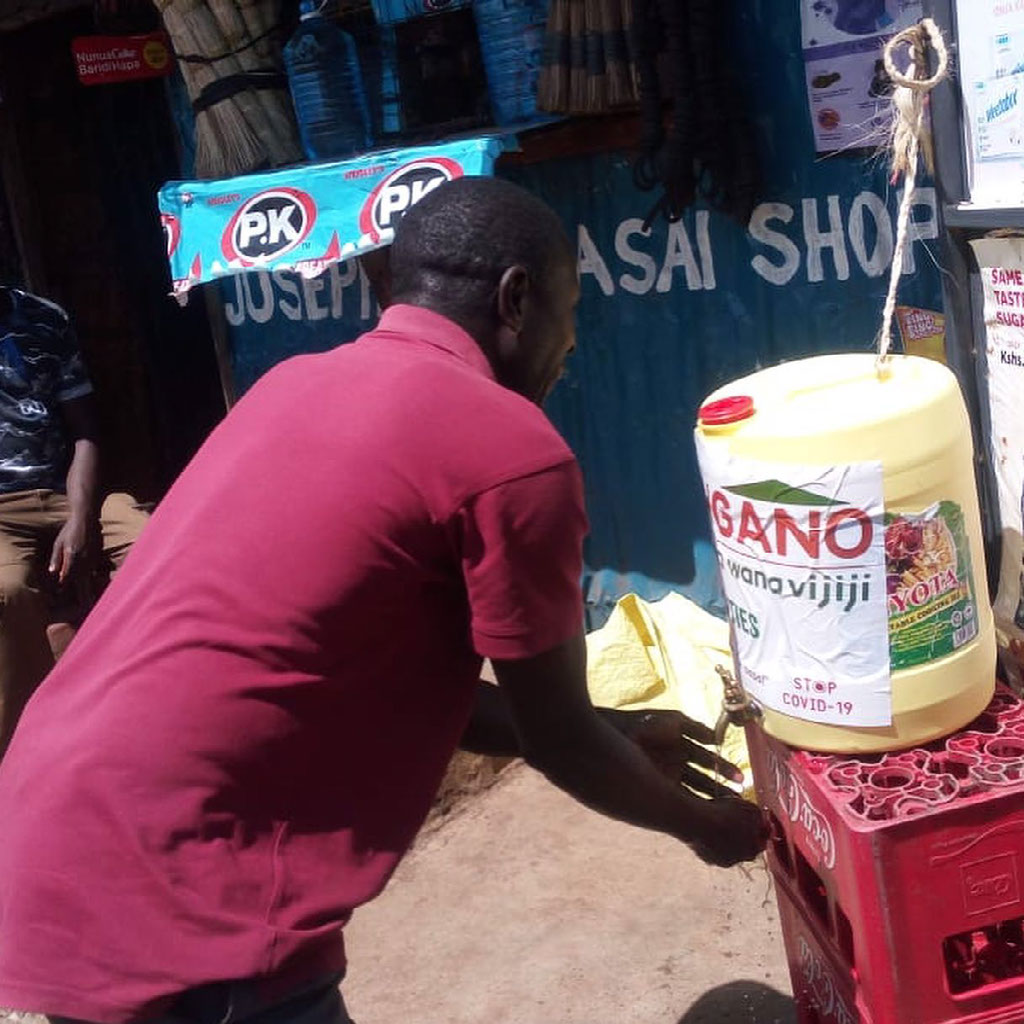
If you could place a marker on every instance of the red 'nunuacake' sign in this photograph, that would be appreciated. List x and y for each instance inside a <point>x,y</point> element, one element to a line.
<point>103,59</point>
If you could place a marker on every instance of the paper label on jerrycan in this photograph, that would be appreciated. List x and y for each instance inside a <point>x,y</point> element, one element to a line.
<point>932,607</point>
<point>802,557</point>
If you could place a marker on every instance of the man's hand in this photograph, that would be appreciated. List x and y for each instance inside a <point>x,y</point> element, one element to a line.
<point>71,545</point>
<point>76,538</point>
<point>733,830</point>
<point>673,743</point>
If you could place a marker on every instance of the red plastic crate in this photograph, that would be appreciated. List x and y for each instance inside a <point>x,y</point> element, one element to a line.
<point>824,985</point>
<point>911,866</point>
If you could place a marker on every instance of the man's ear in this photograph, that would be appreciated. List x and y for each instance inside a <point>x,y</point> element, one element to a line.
<point>513,289</point>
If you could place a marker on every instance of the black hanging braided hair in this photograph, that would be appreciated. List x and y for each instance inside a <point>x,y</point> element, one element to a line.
<point>708,150</point>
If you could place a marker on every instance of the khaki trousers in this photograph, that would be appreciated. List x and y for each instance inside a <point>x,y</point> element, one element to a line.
<point>29,599</point>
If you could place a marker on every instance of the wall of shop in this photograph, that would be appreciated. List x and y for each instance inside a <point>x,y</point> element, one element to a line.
<point>667,314</point>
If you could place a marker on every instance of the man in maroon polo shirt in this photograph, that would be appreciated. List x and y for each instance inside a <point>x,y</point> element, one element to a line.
<point>246,734</point>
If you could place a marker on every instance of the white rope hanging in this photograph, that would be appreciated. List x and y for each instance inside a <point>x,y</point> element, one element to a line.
<point>910,138</point>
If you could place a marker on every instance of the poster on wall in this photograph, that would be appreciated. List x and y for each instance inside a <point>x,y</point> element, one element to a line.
<point>991,68</point>
<point>1001,263</point>
<point>848,89</point>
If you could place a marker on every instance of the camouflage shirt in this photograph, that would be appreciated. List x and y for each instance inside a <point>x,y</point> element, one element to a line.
<point>40,367</point>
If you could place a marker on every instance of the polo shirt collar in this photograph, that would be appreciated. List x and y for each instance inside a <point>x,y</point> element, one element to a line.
<point>419,324</point>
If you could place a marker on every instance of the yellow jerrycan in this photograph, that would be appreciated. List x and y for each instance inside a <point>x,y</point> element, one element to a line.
<point>845,519</point>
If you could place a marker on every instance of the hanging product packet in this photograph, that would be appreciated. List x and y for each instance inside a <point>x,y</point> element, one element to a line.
<point>306,217</point>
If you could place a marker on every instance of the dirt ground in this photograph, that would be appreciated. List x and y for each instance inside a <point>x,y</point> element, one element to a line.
<point>526,908</point>
<point>468,775</point>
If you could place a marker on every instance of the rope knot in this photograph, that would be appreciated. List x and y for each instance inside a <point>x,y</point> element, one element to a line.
<point>910,137</point>
<point>916,39</point>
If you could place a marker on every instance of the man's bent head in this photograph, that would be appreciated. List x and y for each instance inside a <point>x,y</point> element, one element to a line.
<point>496,260</point>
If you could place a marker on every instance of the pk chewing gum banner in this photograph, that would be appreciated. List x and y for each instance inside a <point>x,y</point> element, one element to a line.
<point>308,217</point>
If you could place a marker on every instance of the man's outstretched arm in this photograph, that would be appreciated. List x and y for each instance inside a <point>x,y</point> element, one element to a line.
<point>557,730</point>
<point>670,740</point>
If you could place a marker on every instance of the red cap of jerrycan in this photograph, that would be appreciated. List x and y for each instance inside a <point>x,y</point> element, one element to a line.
<point>726,410</point>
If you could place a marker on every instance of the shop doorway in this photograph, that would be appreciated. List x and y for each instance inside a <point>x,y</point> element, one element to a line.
<point>81,166</point>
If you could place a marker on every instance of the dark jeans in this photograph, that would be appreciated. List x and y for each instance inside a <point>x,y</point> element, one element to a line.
<point>237,1002</point>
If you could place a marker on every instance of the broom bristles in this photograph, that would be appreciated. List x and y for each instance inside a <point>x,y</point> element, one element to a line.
<point>577,57</point>
<point>596,98</point>
<point>248,130</point>
<point>629,39</point>
<point>211,41</point>
<point>263,18</point>
<point>263,108</point>
<point>553,85</point>
<point>225,142</point>
<point>619,91</point>
<point>257,20</point>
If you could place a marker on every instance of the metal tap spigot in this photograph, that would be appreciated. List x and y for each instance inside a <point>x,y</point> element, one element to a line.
<point>737,707</point>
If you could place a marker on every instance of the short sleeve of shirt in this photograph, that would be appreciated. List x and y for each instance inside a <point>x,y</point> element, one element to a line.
<point>72,376</point>
<point>522,560</point>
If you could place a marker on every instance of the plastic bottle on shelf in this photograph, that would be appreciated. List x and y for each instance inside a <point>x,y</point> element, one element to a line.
<point>511,36</point>
<point>327,87</point>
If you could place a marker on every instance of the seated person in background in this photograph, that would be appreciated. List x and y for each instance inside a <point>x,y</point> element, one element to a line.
<point>51,516</point>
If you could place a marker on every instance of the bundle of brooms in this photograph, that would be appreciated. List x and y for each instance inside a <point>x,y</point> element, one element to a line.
<point>230,58</point>
<point>588,62</point>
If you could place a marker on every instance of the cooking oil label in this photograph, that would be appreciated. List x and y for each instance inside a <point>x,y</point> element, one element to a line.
<point>802,556</point>
<point>930,585</point>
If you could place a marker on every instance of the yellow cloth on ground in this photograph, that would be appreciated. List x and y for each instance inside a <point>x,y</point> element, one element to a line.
<point>663,654</point>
